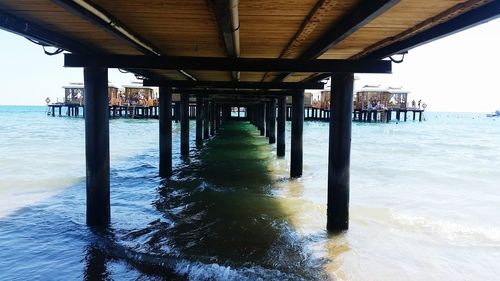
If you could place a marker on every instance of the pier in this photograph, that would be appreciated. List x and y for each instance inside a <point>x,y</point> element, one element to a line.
<point>257,56</point>
<point>196,109</point>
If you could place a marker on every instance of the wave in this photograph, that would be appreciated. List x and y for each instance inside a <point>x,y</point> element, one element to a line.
<point>191,269</point>
<point>453,232</point>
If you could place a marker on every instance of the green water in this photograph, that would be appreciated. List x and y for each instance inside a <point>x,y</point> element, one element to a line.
<point>425,203</point>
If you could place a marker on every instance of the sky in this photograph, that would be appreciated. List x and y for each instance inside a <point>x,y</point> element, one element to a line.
<point>459,73</point>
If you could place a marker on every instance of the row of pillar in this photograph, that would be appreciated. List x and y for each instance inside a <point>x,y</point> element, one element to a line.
<point>208,121</point>
<point>262,115</point>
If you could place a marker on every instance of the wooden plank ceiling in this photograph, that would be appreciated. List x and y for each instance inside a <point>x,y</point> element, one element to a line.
<point>268,29</point>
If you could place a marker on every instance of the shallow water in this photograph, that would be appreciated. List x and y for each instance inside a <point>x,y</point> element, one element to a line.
<point>425,204</point>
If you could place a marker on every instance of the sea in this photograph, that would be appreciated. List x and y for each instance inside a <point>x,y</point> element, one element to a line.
<point>424,203</point>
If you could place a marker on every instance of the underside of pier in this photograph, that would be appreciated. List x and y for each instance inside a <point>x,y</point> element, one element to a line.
<point>258,55</point>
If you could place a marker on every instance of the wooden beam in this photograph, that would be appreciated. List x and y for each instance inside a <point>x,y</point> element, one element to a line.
<point>223,17</point>
<point>35,32</point>
<point>115,27</point>
<point>232,85</point>
<point>359,16</point>
<point>320,11</point>
<point>234,93</point>
<point>139,43</point>
<point>467,20</point>
<point>47,37</point>
<point>227,64</point>
<point>222,12</point>
<point>410,39</point>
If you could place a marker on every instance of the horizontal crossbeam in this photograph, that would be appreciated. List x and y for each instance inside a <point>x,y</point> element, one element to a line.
<point>242,93</point>
<point>233,85</point>
<point>228,64</point>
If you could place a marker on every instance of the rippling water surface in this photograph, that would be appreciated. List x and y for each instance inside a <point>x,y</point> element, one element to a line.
<point>425,204</point>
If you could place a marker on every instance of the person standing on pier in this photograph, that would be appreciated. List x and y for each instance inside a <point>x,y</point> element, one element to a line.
<point>419,102</point>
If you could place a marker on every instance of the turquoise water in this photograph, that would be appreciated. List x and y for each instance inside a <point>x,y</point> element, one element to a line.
<point>425,204</point>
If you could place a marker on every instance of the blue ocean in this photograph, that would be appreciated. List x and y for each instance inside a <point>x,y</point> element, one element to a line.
<point>424,204</point>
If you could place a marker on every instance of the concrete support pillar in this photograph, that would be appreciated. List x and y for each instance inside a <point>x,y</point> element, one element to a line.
<point>272,121</point>
<point>199,119</point>
<point>165,123</point>
<point>297,132</point>
<point>280,146</point>
<point>184,115</point>
<point>339,151</point>
<point>97,145</point>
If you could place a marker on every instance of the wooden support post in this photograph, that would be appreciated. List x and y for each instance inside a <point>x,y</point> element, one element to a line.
<point>420,116</point>
<point>199,119</point>
<point>177,112</point>
<point>280,146</point>
<point>266,117</point>
<point>405,114</point>
<point>184,115</point>
<point>217,117</point>
<point>261,120</point>
<point>339,152</point>
<point>398,115</point>
<point>165,123</point>
<point>272,121</point>
<point>97,145</point>
<point>206,119</point>
<point>369,115</point>
<point>414,115</point>
<point>212,118</point>
<point>297,131</point>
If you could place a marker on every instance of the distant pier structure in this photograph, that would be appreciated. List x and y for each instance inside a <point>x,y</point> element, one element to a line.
<point>214,62</point>
<point>377,104</point>
<point>370,104</point>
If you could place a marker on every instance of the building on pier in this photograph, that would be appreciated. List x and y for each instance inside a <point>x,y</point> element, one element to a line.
<point>114,95</point>
<point>138,95</point>
<point>73,94</point>
<point>377,97</point>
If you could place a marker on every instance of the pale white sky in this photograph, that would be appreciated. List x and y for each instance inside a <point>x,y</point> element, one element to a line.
<point>457,73</point>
